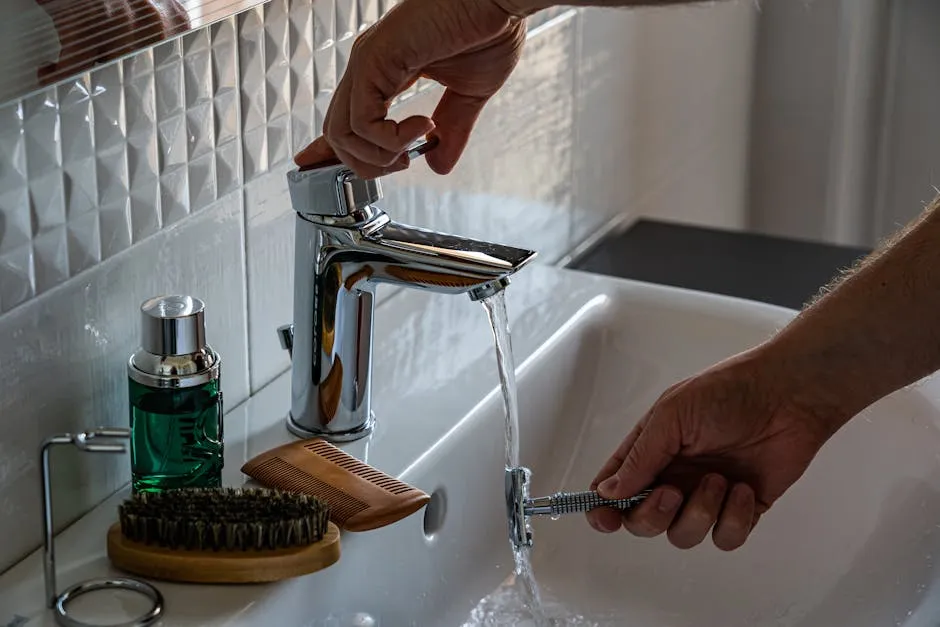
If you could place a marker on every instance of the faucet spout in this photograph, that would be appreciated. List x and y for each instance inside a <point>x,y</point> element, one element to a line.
<point>438,262</point>
<point>345,247</point>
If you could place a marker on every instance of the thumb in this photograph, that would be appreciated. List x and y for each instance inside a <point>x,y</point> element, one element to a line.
<point>652,450</point>
<point>317,153</point>
<point>453,118</point>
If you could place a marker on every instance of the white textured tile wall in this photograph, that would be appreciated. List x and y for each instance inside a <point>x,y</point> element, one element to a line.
<point>165,172</point>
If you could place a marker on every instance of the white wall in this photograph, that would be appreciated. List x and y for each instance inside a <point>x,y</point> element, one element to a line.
<point>793,115</point>
<point>909,159</point>
<point>686,76</point>
<point>845,125</point>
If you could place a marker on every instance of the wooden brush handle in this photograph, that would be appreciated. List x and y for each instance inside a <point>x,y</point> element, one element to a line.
<point>156,562</point>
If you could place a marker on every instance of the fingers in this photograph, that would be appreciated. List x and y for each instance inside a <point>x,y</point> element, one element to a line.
<point>729,514</point>
<point>454,119</point>
<point>737,519</point>
<point>656,445</point>
<point>367,112</point>
<point>620,455</point>
<point>366,159</point>
<point>604,519</point>
<point>700,512</point>
<point>655,514</point>
<point>316,153</point>
<point>357,127</point>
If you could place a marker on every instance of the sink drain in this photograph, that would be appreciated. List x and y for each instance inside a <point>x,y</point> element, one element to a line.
<point>434,513</point>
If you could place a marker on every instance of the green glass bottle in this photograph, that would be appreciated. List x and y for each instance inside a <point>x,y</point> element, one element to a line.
<point>175,399</point>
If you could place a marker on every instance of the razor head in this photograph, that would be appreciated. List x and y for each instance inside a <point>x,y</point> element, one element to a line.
<point>517,494</point>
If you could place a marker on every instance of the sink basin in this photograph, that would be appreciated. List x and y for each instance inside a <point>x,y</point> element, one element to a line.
<point>852,543</point>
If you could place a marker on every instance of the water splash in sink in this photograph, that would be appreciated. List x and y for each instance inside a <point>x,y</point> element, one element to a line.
<point>508,606</point>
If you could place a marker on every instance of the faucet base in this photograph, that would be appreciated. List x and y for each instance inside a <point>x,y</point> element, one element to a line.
<point>331,436</point>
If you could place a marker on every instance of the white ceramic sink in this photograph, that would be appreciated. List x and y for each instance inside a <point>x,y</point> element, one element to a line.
<point>852,544</point>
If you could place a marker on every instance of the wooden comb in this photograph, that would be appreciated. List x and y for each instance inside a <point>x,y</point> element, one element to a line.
<point>360,497</point>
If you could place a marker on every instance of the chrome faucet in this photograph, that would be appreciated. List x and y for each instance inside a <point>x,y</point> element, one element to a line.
<point>345,247</point>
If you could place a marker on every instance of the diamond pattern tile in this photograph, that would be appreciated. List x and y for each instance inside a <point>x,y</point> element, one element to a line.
<point>174,194</point>
<point>301,74</point>
<point>369,13</point>
<point>142,160</point>
<point>227,167</point>
<point>47,200</point>
<point>41,123</point>
<point>17,279</point>
<point>110,122</point>
<point>251,69</point>
<point>139,97</point>
<point>347,19</point>
<point>75,118</point>
<point>84,242</point>
<point>225,81</point>
<point>15,226</point>
<point>202,183</point>
<point>276,58</point>
<point>172,136</point>
<point>50,258</point>
<point>115,228</point>
<point>15,217</point>
<point>80,187</point>
<point>324,23</point>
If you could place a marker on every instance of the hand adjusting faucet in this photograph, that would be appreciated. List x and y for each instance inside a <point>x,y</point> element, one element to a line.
<point>345,246</point>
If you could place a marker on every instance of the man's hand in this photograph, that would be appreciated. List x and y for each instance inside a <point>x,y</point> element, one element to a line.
<point>97,31</point>
<point>720,447</point>
<point>468,46</point>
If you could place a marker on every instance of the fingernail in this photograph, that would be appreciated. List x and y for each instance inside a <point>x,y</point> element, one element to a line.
<point>669,501</point>
<point>608,486</point>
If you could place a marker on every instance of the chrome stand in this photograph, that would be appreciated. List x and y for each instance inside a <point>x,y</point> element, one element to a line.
<point>91,442</point>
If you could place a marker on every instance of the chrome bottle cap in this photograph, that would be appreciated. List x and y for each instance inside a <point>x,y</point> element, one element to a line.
<point>173,349</point>
<point>173,325</point>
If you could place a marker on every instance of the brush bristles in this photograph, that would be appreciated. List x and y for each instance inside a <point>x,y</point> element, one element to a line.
<point>224,519</point>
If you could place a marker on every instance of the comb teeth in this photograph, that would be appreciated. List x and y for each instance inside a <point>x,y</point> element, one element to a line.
<point>275,471</point>
<point>348,462</point>
<point>360,496</point>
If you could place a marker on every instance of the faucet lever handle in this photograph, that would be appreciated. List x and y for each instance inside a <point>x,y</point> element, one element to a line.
<point>422,147</point>
<point>333,190</point>
<point>285,334</point>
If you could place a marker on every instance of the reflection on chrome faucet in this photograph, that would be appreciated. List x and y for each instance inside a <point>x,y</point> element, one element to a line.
<point>345,247</point>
